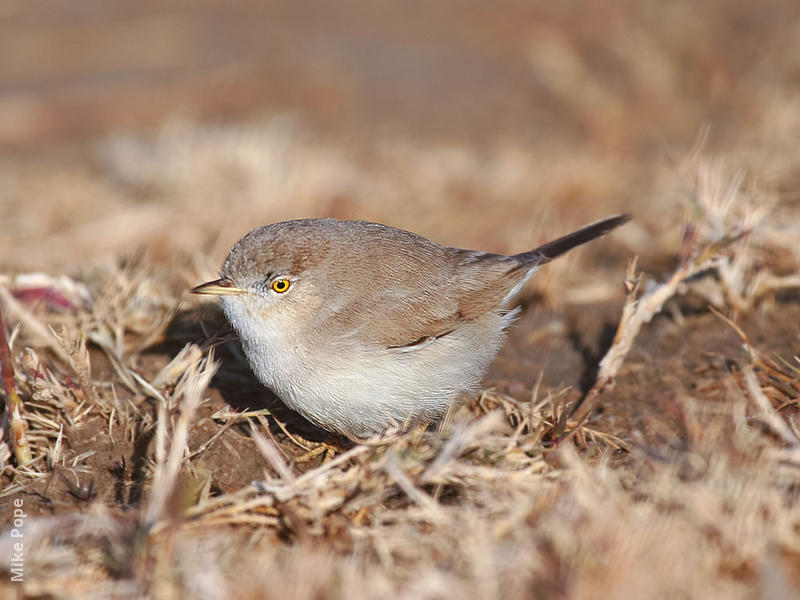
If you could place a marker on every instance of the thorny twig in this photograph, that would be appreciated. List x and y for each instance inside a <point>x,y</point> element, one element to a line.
<point>13,412</point>
<point>639,310</point>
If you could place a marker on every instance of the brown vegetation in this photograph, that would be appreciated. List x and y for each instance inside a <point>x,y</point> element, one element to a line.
<point>637,436</point>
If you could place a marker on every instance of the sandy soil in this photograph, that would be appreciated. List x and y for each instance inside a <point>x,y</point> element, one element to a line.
<point>139,141</point>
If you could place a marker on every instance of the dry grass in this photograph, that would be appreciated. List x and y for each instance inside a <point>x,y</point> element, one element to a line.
<point>499,503</point>
<point>157,468</point>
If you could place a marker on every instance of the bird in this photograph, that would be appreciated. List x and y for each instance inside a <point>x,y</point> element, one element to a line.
<point>364,328</point>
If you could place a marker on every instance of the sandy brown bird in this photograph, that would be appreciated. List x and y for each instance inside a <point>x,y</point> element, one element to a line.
<point>361,327</point>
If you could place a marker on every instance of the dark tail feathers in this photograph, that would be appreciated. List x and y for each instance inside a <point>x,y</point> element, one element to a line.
<point>556,248</point>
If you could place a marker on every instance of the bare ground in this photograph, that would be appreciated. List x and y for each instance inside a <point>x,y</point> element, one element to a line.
<point>670,360</point>
<point>126,176</point>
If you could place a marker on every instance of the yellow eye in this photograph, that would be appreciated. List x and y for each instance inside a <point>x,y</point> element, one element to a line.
<point>281,285</point>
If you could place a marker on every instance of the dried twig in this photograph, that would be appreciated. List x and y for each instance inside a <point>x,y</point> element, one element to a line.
<point>768,414</point>
<point>640,310</point>
<point>196,379</point>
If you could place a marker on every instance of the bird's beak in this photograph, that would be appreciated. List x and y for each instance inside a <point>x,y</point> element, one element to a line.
<point>219,287</point>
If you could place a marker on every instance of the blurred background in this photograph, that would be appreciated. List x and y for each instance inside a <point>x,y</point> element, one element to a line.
<point>171,128</point>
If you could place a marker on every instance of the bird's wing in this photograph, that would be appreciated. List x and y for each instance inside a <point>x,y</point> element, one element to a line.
<point>409,312</point>
<point>419,291</point>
